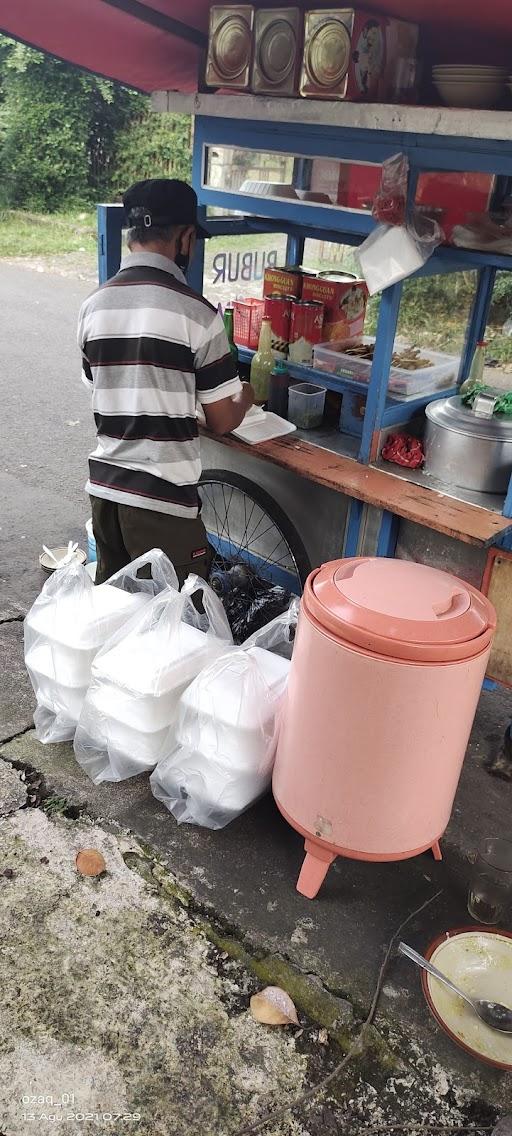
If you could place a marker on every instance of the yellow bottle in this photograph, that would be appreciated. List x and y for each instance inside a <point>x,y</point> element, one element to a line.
<point>262,364</point>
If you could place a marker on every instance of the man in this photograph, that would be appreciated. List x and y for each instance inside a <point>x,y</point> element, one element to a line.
<point>153,349</point>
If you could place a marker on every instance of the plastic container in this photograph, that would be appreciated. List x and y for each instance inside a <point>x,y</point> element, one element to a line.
<point>306,405</point>
<point>402,384</point>
<point>91,543</point>
<point>247,318</point>
<point>387,669</point>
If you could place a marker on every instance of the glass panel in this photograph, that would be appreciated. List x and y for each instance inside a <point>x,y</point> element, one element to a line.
<point>322,181</point>
<point>328,256</point>
<point>435,311</point>
<point>234,266</point>
<point>499,333</point>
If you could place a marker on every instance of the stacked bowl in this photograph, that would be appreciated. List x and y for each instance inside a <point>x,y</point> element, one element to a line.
<point>470,84</point>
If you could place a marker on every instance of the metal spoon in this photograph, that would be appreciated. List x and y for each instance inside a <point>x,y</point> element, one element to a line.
<point>495,1015</point>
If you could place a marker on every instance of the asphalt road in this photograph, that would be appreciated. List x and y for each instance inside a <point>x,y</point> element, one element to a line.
<point>47,427</point>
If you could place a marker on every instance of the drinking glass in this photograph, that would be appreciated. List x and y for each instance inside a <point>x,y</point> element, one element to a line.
<point>490,891</point>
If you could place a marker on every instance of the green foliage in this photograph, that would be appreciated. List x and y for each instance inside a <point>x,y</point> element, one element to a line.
<point>152,145</point>
<point>68,139</point>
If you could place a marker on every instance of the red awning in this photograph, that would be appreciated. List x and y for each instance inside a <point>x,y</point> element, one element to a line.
<point>159,45</point>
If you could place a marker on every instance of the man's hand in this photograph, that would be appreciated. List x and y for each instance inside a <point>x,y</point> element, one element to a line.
<point>224,416</point>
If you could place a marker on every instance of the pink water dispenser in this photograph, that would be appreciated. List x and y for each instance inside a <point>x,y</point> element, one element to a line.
<point>386,674</point>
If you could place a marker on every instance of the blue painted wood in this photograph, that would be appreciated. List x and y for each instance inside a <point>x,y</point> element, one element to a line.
<point>110,221</point>
<point>378,385</point>
<point>353,528</point>
<point>388,534</point>
<point>195,274</point>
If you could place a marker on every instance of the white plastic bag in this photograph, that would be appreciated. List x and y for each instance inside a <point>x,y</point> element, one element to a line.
<point>393,252</point>
<point>227,730</point>
<point>132,703</point>
<point>69,622</point>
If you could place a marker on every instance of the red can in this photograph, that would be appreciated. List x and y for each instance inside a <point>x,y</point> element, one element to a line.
<point>278,308</point>
<point>306,324</point>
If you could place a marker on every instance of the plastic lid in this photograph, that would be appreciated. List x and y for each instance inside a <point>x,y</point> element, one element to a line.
<point>402,609</point>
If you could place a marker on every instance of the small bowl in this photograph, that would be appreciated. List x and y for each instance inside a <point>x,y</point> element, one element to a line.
<point>60,553</point>
<point>471,95</point>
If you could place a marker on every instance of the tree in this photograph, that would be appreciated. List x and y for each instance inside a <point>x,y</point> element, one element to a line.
<point>70,139</point>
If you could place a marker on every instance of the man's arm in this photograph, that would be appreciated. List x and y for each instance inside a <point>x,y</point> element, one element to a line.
<point>225,415</point>
<point>223,398</point>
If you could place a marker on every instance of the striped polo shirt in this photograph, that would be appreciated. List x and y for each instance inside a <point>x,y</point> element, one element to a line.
<point>151,350</point>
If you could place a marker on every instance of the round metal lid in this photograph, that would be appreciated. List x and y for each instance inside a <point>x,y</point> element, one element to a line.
<point>453,415</point>
<point>398,608</point>
<point>276,51</point>
<point>328,54</point>
<point>231,46</point>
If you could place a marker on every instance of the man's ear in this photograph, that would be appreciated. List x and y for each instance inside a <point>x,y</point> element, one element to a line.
<point>185,239</point>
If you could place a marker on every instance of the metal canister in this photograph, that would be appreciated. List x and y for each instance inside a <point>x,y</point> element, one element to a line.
<point>276,51</point>
<point>307,317</point>
<point>327,51</point>
<point>230,47</point>
<point>279,309</point>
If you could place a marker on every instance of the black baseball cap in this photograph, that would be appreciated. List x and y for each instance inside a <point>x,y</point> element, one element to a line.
<point>161,202</point>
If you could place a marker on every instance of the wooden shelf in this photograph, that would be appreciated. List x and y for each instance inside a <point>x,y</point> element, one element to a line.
<point>452,122</point>
<point>472,524</point>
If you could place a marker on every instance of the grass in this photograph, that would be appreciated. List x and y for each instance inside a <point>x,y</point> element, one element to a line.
<point>37,234</point>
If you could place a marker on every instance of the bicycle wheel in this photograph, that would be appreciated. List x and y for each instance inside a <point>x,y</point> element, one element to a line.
<point>246,526</point>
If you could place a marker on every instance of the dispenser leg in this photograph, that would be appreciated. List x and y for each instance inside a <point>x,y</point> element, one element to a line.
<point>436,851</point>
<point>314,869</point>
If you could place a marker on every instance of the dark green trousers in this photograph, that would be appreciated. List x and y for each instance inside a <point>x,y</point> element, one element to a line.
<point>122,533</point>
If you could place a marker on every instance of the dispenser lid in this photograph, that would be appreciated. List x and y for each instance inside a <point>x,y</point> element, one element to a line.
<point>396,607</point>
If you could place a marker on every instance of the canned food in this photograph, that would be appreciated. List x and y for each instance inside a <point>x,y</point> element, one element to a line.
<point>276,51</point>
<point>279,309</point>
<point>344,298</point>
<point>306,324</point>
<point>283,281</point>
<point>230,47</point>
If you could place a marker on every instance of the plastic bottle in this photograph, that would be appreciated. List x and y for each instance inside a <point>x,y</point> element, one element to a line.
<point>228,324</point>
<point>262,364</point>
<point>278,389</point>
<point>476,372</point>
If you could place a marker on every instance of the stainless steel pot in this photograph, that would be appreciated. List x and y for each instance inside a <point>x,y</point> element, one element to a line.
<point>465,450</point>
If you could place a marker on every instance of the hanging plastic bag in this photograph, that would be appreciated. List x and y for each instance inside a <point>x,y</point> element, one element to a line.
<point>131,706</point>
<point>69,622</point>
<point>227,730</point>
<point>403,240</point>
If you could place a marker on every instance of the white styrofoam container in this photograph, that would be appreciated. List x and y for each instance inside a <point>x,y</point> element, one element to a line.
<point>83,622</point>
<point>140,692</point>
<point>402,384</point>
<point>56,695</point>
<point>230,726</point>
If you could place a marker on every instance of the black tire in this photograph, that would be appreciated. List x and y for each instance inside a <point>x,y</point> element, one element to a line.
<point>268,505</point>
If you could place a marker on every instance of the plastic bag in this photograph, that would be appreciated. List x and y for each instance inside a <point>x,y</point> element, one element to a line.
<point>227,730</point>
<point>393,252</point>
<point>404,239</point>
<point>390,202</point>
<point>69,622</point>
<point>131,707</point>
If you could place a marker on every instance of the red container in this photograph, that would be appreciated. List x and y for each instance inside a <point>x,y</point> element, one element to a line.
<point>306,325</point>
<point>283,282</point>
<point>344,298</point>
<point>247,317</point>
<point>279,310</point>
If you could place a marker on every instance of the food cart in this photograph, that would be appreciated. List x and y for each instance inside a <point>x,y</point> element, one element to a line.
<point>326,493</point>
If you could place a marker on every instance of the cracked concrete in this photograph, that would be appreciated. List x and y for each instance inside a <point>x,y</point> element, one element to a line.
<point>16,694</point>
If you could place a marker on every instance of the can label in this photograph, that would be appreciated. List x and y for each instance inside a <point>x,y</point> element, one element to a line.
<point>278,309</point>
<point>306,325</point>
<point>283,282</point>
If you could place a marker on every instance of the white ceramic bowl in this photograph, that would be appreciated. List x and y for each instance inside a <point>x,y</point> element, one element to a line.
<point>472,95</point>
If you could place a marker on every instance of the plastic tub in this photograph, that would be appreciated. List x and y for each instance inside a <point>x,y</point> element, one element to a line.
<point>91,543</point>
<point>402,384</point>
<point>306,405</point>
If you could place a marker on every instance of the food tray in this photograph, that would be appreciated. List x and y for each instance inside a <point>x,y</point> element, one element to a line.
<point>441,375</point>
